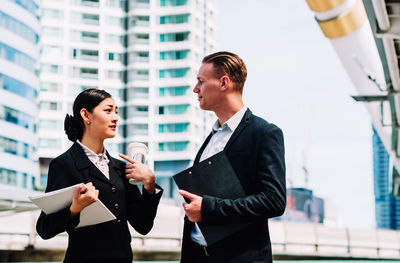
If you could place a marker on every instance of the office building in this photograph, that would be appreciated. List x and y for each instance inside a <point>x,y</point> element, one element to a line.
<point>19,52</point>
<point>146,54</point>
<point>387,206</point>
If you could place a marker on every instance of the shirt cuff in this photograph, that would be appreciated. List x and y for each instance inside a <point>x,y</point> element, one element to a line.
<point>158,191</point>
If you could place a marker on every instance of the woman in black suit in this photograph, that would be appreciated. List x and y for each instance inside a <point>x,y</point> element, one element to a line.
<point>106,178</point>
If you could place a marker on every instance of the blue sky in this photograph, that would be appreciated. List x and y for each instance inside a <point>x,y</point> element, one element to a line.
<point>296,81</point>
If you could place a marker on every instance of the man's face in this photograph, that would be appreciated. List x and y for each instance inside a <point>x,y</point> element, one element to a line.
<point>208,87</point>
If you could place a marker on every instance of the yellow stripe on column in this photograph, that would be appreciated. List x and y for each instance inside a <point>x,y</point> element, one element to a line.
<point>323,5</point>
<point>346,23</point>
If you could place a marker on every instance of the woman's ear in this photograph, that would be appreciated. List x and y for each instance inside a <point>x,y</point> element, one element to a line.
<point>85,114</point>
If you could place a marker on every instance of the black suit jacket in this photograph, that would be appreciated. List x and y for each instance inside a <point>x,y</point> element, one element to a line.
<point>109,241</point>
<point>256,153</point>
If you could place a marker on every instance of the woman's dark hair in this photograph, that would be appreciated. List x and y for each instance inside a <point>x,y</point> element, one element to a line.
<point>88,99</point>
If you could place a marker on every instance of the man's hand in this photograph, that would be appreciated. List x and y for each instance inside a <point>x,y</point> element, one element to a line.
<point>192,210</point>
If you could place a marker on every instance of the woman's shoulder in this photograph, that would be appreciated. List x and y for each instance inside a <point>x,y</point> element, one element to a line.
<point>63,158</point>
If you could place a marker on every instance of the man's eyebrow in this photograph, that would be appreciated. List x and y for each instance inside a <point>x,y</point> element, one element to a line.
<point>111,105</point>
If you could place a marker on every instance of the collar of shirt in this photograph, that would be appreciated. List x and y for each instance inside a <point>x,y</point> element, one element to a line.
<point>232,123</point>
<point>101,157</point>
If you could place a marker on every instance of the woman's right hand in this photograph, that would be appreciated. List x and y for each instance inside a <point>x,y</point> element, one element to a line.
<point>82,200</point>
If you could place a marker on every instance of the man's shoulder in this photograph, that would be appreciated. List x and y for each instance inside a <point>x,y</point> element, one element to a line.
<point>262,125</point>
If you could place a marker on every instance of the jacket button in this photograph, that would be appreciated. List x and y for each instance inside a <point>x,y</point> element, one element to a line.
<point>116,206</point>
<point>119,221</point>
<point>113,189</point>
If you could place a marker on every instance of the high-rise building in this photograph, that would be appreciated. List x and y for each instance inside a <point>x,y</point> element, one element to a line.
<point>387,206</point>
<point>19,29</point>
<point>166,42</point>
<point>146,54</point>
<point>82,46</point>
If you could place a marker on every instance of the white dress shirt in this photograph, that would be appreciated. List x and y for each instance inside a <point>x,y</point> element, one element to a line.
<point>217,143</point>
<point>99,160</point>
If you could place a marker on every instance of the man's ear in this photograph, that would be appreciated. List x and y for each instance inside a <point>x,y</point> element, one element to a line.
<point>225,81</point>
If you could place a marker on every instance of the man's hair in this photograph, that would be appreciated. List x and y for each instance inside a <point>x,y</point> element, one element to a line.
<point>227,63</point>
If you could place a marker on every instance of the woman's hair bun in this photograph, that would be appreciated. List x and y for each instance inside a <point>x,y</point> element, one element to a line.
<point>72,128</point>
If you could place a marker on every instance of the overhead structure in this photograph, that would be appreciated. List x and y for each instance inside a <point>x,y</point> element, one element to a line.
<point>15,199</point>
<point>365,35</point>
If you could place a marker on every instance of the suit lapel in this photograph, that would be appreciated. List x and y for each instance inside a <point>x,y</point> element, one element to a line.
<point>83,163</point>
<point>114,170</point>
<point>243,123</point>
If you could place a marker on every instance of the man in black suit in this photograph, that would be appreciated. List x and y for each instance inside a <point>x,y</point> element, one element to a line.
<point>255,150</point>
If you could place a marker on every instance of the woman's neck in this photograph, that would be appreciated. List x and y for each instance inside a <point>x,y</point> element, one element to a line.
<point>93,144</point>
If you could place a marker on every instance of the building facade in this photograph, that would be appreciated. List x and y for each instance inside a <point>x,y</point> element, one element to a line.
<point>19,52</point>
<point>387,206</point>
<point>146,54</point>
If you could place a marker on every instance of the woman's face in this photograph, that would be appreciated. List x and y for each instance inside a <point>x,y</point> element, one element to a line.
<point>103,120</point>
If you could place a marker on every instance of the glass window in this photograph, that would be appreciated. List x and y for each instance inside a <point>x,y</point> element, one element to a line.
<point>17,57</point>
<point>47,68</point>
<point>17,87</point>
<point>92,3</point>
<point>174,54</point>
<point>138,129</point>
<point>85,36</point>
<point>173,91</point>
<point>49,124</point>
<point>88,73</point>
<point>50,50</point>
<point>173,127</point>
<point>140,21</point>
<point>115,57</point>
<point>8,176</point>
<point>138,93</point>
<point>49,143</point>
<point>174,19</point>
<point>116,3</point>
<point>85,54</point>
<point>173,109</point>
<point>139,74</point>
<point>52,32</point>
<point>138,111</point>
<point>17,27</point>
<point>29,5</point>
<point>135,39</point>
<point>53,13</point>
<point>8,145</point>
<point>17,117</point>
<point>50,86</point>
<point>114,74</point>
<point>49,105</point>
<point>116,21</point>
<point>174,37</point>
<point>173,2</point>
<point>111,38</point>
<point>173,146</point>
<point>173,73</point>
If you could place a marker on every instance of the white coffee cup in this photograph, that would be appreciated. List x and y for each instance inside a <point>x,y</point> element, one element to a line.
<point>138,152</point>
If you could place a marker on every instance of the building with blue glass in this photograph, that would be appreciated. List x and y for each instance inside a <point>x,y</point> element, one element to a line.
<point>19,31</point>
<point>387,206</point>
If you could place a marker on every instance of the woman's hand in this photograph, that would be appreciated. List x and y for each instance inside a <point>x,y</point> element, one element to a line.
<point>141,172</point>
<point>82,199</point>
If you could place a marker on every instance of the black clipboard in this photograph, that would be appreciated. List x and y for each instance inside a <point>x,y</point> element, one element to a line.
<point>213,176</point>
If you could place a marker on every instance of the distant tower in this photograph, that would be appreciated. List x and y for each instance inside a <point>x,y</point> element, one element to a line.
<point>386,205</point>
